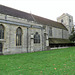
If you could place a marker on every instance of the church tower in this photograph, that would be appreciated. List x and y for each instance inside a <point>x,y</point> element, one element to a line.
<point>67,21</point>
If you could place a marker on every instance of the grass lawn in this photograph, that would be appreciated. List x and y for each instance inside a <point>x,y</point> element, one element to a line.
<point>53,62</point>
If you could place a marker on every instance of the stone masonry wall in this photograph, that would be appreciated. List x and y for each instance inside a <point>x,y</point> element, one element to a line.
<point>28,45</point>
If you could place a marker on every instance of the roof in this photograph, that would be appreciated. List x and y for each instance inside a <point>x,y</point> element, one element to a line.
<point>17,13</point>
<point>58,40</point>
<point>45,21</point>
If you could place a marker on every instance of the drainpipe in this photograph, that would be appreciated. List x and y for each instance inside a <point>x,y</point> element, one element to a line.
<point>69,26</point>
<point>42,37</point>
<point>27,39</point>
<point>62,33</point>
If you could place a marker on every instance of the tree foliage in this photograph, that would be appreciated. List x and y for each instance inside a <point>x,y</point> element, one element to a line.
<point>72,36</point>
<point>72,30</point>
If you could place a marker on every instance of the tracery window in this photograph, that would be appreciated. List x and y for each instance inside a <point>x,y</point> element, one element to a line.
<point>36,38</point>
<point>1,31</point>
<point>18,36</point>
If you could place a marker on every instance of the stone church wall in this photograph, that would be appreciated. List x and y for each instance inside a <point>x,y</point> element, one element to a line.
<point>58,33</point>
<point>28,45</point>
<point>9,46</point>
<point>65,34</point>
<point>10,40</point>
<point>34,46</point>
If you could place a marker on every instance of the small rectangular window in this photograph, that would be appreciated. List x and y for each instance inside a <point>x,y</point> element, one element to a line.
<point>50,31</point>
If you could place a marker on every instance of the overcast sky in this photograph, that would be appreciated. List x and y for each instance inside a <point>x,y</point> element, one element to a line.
<point>50,9</point>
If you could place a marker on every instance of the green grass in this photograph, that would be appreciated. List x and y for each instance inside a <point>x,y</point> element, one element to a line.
<point>53,62</point>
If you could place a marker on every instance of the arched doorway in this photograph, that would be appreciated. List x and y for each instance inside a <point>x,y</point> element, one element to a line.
<point>1,47</point>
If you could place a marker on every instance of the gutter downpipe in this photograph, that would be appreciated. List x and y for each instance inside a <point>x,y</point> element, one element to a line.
<point>27,39</point>
<point>42,37</point>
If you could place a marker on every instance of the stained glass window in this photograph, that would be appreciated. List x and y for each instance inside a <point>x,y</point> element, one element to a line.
<point>36,38</point>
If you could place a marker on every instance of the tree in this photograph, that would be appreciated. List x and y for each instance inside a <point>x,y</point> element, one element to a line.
<point>72,36</point>
<point>72,30</point>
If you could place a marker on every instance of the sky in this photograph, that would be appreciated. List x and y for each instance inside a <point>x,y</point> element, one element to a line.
<point>50,9</point>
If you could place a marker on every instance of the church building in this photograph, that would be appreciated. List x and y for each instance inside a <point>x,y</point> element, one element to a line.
<point>67,20</point>
<point>22,32</point>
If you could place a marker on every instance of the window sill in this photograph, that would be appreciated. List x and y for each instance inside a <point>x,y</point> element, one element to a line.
<point>37,43</point>
<point>19,46</point>
<point>2,40</point>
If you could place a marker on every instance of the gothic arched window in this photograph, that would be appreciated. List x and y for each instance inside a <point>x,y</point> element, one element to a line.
<point>36,38</point>
<point>1,31</point>
<point>18,36</point>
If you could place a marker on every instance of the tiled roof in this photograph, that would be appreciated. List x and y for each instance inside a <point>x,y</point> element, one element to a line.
<point>45,21</point>
<point>58,40</point>
<point>31,17</point>
<point>15,13</point>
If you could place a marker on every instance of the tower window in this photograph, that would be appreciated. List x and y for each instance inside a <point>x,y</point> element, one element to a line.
<point>61,20</point>
<point>50,31</point>
<point>69,20</point>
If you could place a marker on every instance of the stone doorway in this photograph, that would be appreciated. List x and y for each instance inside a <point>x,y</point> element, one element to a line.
<point>1,46</point>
